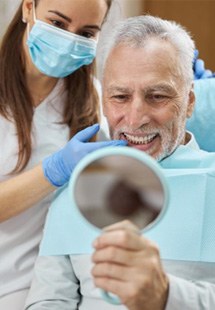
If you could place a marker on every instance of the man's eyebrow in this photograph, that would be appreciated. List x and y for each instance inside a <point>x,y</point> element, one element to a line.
<point>162,87</point>
<point>118,89</point>
<point>68,19</point>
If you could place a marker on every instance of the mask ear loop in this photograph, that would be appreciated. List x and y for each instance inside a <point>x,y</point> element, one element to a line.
<point>34,18</point>
<point>34,11</point>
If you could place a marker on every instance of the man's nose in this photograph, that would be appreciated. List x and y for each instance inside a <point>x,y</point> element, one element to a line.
<point>138,114</point>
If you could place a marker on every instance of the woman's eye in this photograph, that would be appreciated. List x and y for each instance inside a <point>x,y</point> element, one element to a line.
<point>87,34</point>
<point>58,24</point>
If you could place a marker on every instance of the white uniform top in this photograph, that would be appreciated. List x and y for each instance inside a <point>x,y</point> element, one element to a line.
<point>20,235</point>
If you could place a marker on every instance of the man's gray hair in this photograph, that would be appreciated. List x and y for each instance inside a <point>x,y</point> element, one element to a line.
<point>135,31</point>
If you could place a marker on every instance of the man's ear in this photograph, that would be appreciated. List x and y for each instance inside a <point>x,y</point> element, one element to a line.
<point>191,102</point>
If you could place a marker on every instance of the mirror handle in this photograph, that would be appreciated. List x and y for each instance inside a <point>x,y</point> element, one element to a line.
<point>111,298</point>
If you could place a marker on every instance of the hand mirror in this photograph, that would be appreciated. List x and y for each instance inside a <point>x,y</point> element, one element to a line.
<point>118,183</point>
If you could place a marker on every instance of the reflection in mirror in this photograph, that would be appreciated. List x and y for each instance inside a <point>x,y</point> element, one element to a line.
<point>119,187</point>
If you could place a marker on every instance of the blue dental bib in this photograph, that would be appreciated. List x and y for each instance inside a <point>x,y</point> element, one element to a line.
<point>185,232</point>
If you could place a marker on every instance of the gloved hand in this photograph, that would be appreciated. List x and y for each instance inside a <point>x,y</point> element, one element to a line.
<point>199,68</point>
<point>58,167</point>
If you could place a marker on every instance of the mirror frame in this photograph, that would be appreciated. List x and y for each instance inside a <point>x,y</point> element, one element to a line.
<point>129,152</point>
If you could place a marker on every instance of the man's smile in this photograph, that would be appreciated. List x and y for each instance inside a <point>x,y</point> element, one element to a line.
<point>147,142</point>
<point>137,139</point>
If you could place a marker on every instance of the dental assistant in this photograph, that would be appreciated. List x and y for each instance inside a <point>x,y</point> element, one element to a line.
<point>47,98</point>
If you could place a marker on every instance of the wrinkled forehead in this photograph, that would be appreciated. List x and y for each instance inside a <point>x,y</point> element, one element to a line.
<point>153,50</point>
<point>157,61</point>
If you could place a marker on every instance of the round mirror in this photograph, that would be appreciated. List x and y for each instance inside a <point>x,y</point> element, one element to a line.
<point>121,184</point>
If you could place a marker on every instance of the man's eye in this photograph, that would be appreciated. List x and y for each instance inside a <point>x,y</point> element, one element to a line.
<point>120,97</point>
<point>157,97</point>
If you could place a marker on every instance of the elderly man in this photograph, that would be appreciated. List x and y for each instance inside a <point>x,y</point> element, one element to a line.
<point>148,95</point>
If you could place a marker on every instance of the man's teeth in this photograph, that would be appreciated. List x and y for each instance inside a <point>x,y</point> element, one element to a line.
<point>140,140</point>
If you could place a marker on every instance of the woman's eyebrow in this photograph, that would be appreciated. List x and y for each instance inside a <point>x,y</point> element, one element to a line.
<point>92,27</point>
<point>68,19</point>
<point>61,15</point>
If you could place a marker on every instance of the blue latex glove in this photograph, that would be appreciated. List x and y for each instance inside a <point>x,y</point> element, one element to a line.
<point>199,68</point>
<point>58,167</point>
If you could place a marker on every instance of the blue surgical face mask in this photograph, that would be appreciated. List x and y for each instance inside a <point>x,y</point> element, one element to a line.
<point>56,52</point>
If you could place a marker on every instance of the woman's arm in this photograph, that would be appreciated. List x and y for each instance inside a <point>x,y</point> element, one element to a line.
<point>21,192</point>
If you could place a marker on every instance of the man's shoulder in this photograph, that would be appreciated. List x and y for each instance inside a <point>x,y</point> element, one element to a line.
<point>188,158</point>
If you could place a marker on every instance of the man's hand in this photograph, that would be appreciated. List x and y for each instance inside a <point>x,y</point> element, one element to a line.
<point>129,266</point>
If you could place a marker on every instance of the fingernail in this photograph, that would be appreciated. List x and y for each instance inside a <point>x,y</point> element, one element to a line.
<point>122,142</point>
<point>95,125</point>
